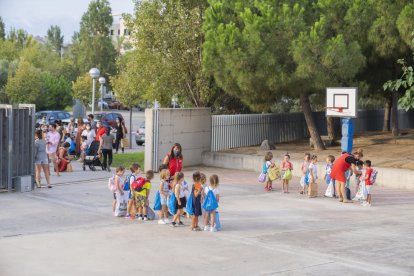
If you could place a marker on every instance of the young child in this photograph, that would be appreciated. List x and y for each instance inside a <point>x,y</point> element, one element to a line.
<point>164,193</point>
<point>214,182</point>
<point>313,177</point>
<point>84,147</point>
<point>286,165</point>
<point>135,170</point>
<point>330,190</point>
<point>359,193</point>
<point>119,184</point>
<point>141,198</point>
<point>268,162</point>
<point>368,183</point>
<point>181,202</point>
<point>304,168</point>
<point>348,175</point>
<point>196,191</point>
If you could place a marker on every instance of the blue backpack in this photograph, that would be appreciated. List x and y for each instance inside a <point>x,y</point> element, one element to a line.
<point>127,185</point>
<point>210,201</point>
<point>157,201</point>
<point>189,206</point>
<point>171,200</point>
<point>264,168</point>
<point>306,179</point>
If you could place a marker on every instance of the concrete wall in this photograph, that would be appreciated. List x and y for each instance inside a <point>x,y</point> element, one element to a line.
<point>387,177</point>
<point>189,127</point>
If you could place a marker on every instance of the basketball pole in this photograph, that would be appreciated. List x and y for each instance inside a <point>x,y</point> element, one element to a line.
<point>347,134</point>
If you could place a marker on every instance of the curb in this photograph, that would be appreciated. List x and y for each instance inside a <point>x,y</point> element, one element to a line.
<point>387,177</point>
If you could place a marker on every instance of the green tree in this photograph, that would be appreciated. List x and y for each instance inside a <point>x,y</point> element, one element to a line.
<point>56,92</point>
<point>25,85</point>
<point>2,29</point>
<point>168,37</point>
<point>20,38</point>
<point>92,47</point>
<point>82,89</point>
<point>55,38</point>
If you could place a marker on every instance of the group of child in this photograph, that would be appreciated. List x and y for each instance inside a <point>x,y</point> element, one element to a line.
<point>170,188</point>
<point>364,177</point>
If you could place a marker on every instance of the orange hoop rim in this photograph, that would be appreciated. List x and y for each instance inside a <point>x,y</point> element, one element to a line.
<point>336,109</point>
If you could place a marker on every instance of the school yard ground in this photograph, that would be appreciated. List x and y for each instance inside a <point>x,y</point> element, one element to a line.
<point>70,230</point>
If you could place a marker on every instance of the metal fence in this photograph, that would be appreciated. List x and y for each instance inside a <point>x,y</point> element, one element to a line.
<point>16,145</point>
<point>233,131</point>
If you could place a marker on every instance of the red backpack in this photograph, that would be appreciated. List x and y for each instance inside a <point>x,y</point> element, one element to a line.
<point>138,184</point>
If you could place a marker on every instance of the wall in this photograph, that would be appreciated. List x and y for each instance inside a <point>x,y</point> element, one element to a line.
<point>190,127</point>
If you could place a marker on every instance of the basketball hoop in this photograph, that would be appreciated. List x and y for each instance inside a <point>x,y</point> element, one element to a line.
<point>336,109</point>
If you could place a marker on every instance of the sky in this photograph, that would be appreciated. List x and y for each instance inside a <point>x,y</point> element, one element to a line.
<point>36,16</point>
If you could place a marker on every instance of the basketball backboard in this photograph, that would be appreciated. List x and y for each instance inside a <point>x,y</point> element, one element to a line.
<point>341,102</point>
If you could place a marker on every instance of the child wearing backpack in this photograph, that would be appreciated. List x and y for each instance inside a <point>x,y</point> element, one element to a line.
<point>360,186</point>
<point>370,177</point>
<point>313,176</point>
<point>135,170</point>
<point>141,188</point>
<point>286,174</point>
<point>268,163</point>
<point>304,168</point>
<point>164,190</point>
<point>196,201</point>
<point>330,190</point>
<point>181,202</point>
<point>211,191</point>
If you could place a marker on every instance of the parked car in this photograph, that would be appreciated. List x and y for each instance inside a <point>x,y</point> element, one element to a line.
<point>116,105</point>
<point>108,119</point>
<point>52,116</point>
<point>104,104</point>
<point>140,134</point>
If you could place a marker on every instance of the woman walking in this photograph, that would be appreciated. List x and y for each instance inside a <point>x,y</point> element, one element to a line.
<point>105,146</point>
<point>120,134</point>
<point>41,160</point>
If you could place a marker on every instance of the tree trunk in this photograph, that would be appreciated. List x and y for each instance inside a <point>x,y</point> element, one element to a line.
<point>394,116</point>
<point>310,122</point>
<point>332,127</point>
<point>387,114</point>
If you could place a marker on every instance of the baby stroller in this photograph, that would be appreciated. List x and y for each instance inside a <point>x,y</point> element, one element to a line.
<point>92,157</point>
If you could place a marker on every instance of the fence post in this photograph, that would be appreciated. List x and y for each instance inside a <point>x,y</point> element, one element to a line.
<point>9,140</point>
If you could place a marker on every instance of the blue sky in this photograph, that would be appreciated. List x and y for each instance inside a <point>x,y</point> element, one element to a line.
<point>36,16</point>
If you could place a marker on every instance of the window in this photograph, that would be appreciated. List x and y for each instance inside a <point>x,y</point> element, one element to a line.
<point>119,31</point>
<point>112,32</point>
<point>125,32</point>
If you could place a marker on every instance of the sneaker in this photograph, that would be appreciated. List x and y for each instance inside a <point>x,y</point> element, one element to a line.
<point>181,223</point>
<point>213,229</point>
<point>368,205</point>
<point>167,221</point>
<point>206,228</point>
<point>364,203</point>
<point>145,218</point>
<point>140,218</point>
<point>173,224</point>
<point>161,221</point>
<point>127,215</point>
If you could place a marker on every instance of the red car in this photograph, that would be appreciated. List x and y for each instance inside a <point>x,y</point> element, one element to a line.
<point>108,119</point>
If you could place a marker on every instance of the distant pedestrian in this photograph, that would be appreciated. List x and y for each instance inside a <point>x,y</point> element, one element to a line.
<point>105,146</point>
<point>100,131</point>
<point>41,160</point>
<point>81,127</point>
<point>92,121</point>
<point>120,134</point>
<point>89,132</point>
<point>53,139</point>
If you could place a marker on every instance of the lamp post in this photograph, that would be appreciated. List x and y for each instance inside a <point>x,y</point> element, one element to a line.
<point>94,73</point>
<point>102,82</point>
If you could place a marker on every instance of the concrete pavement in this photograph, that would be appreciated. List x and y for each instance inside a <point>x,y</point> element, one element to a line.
<point>70,230</point>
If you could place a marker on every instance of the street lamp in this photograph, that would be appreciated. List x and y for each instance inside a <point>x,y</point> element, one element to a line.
<point>94,73</point>
<point>102,82</point>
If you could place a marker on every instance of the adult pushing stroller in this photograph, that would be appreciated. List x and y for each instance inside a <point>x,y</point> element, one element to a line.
<point>92,157</point>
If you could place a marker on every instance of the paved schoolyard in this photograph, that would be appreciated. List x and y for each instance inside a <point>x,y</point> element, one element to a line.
<point>69,230</point>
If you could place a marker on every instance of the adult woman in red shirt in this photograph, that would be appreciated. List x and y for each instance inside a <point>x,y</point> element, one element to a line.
<point>340,166</point>
<point>174,160</point>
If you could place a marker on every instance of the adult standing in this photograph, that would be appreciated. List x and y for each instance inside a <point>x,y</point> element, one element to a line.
<point>92,121</point>
<point>78,141</point>
<point>89,132</point>
<point>340,166</point>
<point>105,146</point>
<point>53,139</point>
<point>63,159</point>
<point>41,160</point>
<point>174,159</point>
<point>120,134</point>
<point>71,127</point>
<point>101,131</point>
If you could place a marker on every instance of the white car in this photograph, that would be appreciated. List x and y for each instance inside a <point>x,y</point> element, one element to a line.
<point>140,134</point>
<point>101,103</point>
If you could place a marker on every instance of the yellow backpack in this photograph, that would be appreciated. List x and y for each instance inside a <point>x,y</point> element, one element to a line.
<point>274,172</point>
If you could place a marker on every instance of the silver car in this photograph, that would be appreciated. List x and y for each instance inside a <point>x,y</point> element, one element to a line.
<point>140,134</point>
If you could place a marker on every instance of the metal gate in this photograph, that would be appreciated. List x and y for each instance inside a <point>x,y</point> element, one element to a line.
<point>17,125</point>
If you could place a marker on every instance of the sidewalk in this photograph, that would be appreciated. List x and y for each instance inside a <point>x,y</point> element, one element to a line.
<point>70,230</point>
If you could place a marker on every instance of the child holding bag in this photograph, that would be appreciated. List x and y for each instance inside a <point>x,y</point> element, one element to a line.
<point>164,193</point>
<point>181,202</point>
<point>304,168</point>
<point>330,190</point>
<point>313,176</point>
<point>196,201</point>
<point>209,205</point>
<point>286,174</point>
